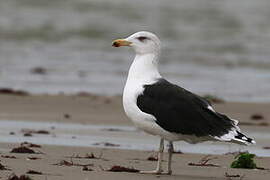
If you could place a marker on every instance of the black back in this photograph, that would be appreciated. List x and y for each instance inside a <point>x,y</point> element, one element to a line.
<point>180,111</point>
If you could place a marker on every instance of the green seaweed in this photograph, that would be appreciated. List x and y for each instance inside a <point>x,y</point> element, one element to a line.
<point>245,161</point>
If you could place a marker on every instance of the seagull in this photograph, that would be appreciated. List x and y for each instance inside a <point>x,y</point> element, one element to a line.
<point>167,110</point>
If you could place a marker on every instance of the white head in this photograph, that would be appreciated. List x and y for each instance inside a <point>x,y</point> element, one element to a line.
<point>143,42</point>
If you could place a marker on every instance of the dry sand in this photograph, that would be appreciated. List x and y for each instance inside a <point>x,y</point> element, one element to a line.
<point>104,110</point>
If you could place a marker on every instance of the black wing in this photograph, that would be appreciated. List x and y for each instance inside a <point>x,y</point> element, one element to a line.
<point>180,111</point>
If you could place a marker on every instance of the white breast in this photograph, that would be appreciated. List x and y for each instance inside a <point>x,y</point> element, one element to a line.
<point>131,92</point>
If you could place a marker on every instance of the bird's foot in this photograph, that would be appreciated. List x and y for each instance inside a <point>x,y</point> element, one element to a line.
<point>157,172</point>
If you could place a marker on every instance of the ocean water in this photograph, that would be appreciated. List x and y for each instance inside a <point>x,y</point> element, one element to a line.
<point>209,47</point>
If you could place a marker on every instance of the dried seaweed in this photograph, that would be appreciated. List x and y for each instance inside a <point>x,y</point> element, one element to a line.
<point>23,149</point>
<point>178,152</point>
<point>90,156</point>
<point>3,168</point>
<point>28,144</point>
<point>262,168</point>
<point>13,177</point>
<point>230,177</point>
<point>257,117</point>
<point>10,91</point>
<point>152,158</point>
<point>22,177</point>
<point>106,144</point>
<point>113,129</point>
<point>67,116</point>
<point>34,172</point>
<point>199,164</point>
<point>87,156</point>
<point>8,157</point>
<point>33,158</point>
<point>70,163</point>
<point>86,168</point>
<point>31,131</point>
<point>39,70</point>
<point>64,163</point>
<point>204,162</point>
<point>27,134</point>
<point>122,169</point>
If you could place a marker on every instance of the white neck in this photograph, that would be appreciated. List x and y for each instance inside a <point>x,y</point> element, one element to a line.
<point>144,68</point>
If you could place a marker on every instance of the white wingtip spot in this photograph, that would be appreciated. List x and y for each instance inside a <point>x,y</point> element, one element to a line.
<point>211,108</point>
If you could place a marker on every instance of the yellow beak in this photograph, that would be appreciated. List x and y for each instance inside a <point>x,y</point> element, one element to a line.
<point>121,42</point>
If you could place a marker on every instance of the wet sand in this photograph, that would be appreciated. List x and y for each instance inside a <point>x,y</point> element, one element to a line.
<point>92,109</point>
<point>127,158</point>
<point>98,110</point>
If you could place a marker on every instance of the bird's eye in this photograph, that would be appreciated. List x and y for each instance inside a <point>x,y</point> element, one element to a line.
<point>142,38</point>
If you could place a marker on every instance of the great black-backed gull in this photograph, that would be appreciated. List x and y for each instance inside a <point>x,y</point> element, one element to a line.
<point>161,108</point>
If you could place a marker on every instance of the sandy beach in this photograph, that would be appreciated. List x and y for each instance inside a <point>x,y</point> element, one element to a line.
<point>87,110</point>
